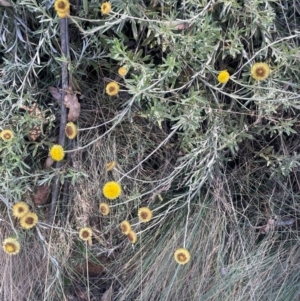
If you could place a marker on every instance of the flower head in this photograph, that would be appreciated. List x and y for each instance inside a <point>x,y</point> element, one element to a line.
<point>29,220</point>
<point>7,135</point>
<point>71,130</point>
<point>112,190</point>
<point>11,246</point>
<point>105,8</point>
<point>260,71</point>
<point>132,237</point>
<point>122,71</point>
<point>85,233</point>
<point>145,214</point>
<point>104,208</point>
<point>62,8</point>
<point>223,77</point>
<point>112,88</point>
<point>20,209</point>
<point>57,152</point>
<point>182,256</point>
<point>125,227</point>
<point>111,165</point>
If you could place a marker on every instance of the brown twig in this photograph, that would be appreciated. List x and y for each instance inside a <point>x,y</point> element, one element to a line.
<point>64,34</point>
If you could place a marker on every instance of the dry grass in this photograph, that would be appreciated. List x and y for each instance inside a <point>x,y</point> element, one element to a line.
<point>231,258</point>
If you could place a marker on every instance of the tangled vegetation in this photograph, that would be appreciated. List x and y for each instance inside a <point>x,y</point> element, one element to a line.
<point>150,150</point>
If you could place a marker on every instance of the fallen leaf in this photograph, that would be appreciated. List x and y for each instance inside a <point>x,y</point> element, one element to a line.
<point>279,222</point>
<point>48,163</point>
<point>41,195</point>
<point>94,269</point>
<point>111,165</point>
<point>34,133</point>
<point>107,296</point>
<point>55,93</point>
<point>155,2</point>
<point>5,3</point>
<point>71,102</point>
<point>81,293</point>
<point>224,271</point>
<point>182,26</point>
<point>270,225</point>
<point>177,25</point>
<point>285,221</point>
<point>34,111</point>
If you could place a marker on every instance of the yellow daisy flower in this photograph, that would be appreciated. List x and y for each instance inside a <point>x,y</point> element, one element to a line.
<point>7,135</point>
<point>122,71</point>
<point>57,152</point>
<point>11,246</point>
<point>105,8</point>
<point>260,71</point>
<point>111,165</point>
<point>62,8</point>
<point>112,88</point>
<point>125,227</point>
<point>145,214</point>
<point>132,237</point>
<point>223,77</point>
<point>29,220</point>
<point>182,256</point>
<point>104,208</point>
<point>85,233</point>
<point>71,130</point>
<point>112,190</point>
<point>20,209</point>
